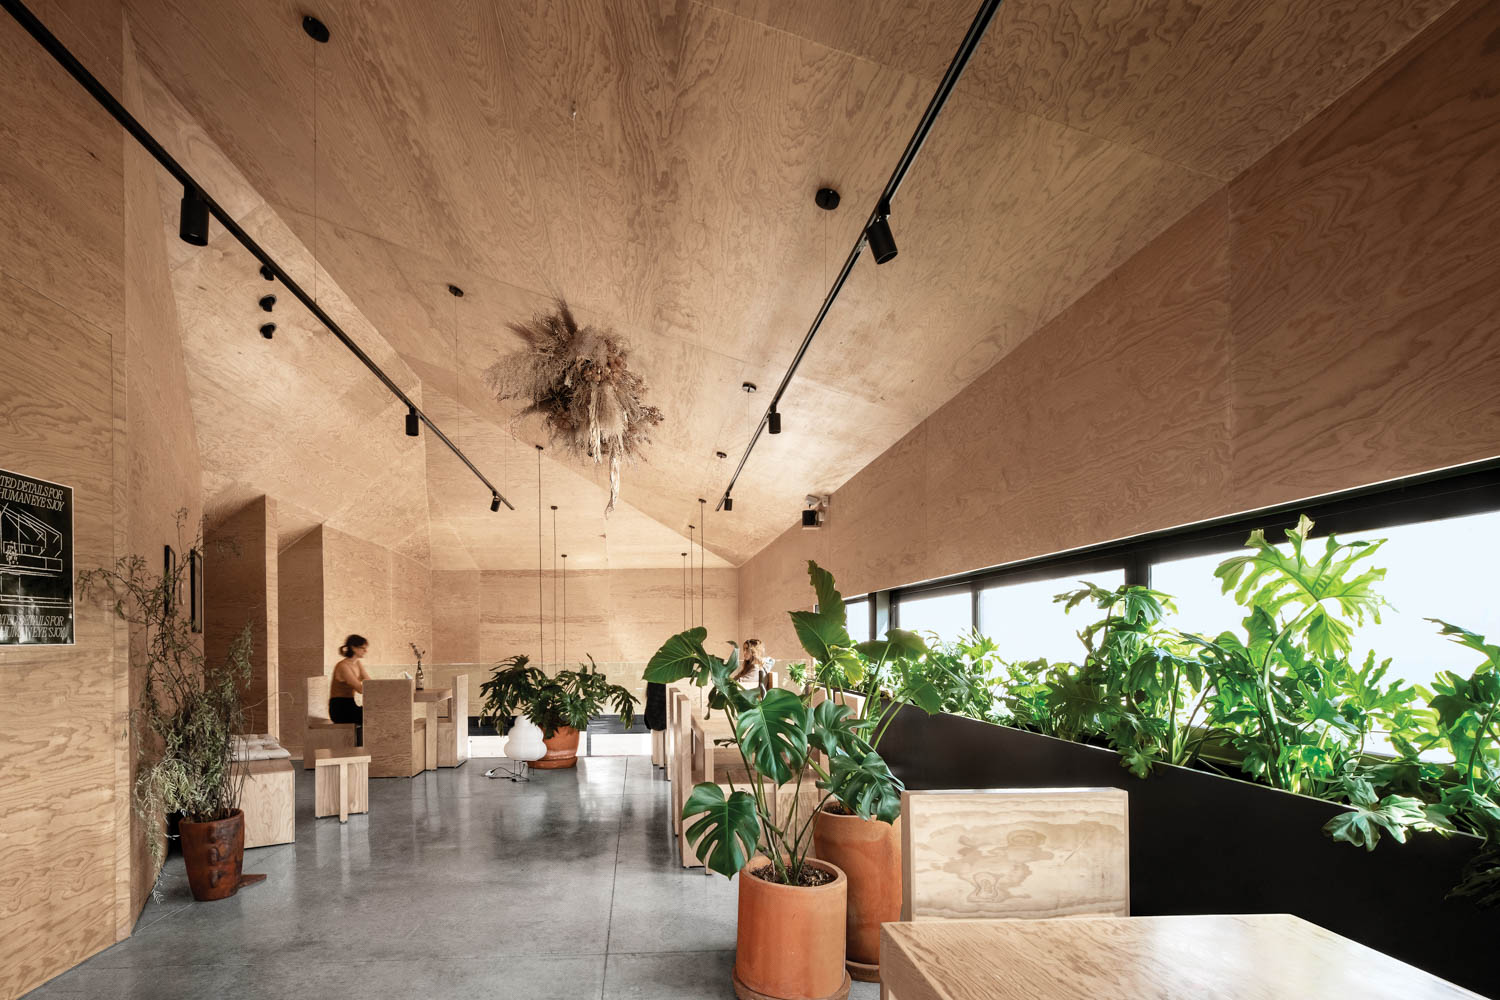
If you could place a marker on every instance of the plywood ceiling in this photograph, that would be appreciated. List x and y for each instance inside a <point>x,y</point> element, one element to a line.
<point>655,161</point>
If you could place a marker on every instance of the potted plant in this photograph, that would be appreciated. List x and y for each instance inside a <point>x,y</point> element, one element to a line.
<point>187,715</point>
<point>790,938</point>
<point>888,673</point>
<point>560,706</point>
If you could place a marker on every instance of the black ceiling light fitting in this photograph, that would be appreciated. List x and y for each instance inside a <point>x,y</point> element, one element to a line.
<point>720,455</point>
<point>748,387</point>
<point>413,423</point>
<point>192,224</point>
<point>268,330</point>
<point>728,502</point>
<point>267,273</point>
<point>455,291</point>
<point>876,233</point>
<point>316,30</point>
<point>267,302</point>
<point>495,502</point>
<point>882,243</point>
<point>773,423</point>
<point>827,199</point>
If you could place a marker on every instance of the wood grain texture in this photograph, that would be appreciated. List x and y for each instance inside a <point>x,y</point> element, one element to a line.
<point>453,726</point>
<point>1242,957</point>
<point>164,475</point>
<point>65,761</point>
<point>654,206</point>
<point>301,651</point>
<point>1326,322</point>
<point>241,590</point>
<point>1366,310</point>
<point>269,801</point>
<point>1013,852</point>
<point>341,784</point>
<point>395,733</point>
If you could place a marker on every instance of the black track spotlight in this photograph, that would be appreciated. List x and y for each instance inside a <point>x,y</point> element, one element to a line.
<point>268,330</point>
<point>316,30</point>
<point>192,225</point>
<point>809,518</point>
<point>882,243</point>
<point>267,273</point>
<point>413,425</point>
<point>773,422</point>
<point>267,302</point>
<point>728,502</point>
<point>827,199</point>
<point>495,503</point>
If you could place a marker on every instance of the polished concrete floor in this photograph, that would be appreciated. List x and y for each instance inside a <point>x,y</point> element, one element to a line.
<point>453,886</point>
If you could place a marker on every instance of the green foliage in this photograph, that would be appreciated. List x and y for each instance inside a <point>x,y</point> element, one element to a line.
<point>776,734</point>
<point>189,709</point>
<point>570,698</point>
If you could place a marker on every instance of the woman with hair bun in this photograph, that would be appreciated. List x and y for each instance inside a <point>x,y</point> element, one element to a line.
<point>349,676</point>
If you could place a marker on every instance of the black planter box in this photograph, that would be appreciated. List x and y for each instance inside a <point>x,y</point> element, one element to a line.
<point>1201,843</point>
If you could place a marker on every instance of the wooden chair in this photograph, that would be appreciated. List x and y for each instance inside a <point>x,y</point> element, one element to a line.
<point>453,727</point>
<point>395,737</point>
<point>319,732</point>
<point>1027,853</point>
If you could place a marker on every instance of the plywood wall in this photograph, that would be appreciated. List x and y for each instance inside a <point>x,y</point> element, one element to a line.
<point>241,590</point>
<point>332,584</point>
<point>65,833</point>
<point>1330,319</point>
<point>620,617</point>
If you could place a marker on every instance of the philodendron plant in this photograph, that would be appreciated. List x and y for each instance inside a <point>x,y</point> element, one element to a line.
<point>888,673</point>
<point>776,734</point>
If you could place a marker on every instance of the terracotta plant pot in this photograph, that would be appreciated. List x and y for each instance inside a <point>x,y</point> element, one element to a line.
<point>214,854</point>
<point>869,852</point>
<point>562,749</point>
<point>791,938</point>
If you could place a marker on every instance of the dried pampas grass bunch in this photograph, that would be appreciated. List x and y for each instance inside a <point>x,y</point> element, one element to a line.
<point>577,380</point>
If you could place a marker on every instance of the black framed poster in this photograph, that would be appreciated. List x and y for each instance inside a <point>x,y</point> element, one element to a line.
<point>36,561</point>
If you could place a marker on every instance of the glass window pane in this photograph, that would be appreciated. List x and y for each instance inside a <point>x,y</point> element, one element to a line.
<point>948,614</point>
<point>1201,608</point>
<point>1027,624</point>
<point>857,618</point>
<point>1437,569</point>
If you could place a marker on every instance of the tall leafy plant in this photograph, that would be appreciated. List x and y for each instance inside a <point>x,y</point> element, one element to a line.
<point>569,698</point>
<point>189,709</point>
<point>775,733</point>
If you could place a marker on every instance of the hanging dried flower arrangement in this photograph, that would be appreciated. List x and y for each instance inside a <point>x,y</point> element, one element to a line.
<point>576,378</point>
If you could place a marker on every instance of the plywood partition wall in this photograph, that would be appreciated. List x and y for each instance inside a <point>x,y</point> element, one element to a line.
<point>240,592</point>
<point>1329,319</point>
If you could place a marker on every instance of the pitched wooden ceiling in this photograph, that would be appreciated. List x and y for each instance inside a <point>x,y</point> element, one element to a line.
<point>655,161</point>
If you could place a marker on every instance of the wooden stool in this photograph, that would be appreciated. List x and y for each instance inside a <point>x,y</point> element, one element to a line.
<point>341,784</point>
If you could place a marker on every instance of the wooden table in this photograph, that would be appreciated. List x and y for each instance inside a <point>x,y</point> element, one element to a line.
<point>1241,957</point>
<point>432,699</point>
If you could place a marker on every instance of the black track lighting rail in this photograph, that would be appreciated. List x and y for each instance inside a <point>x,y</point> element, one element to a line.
<point>878,214</point>
<point>101,95</point>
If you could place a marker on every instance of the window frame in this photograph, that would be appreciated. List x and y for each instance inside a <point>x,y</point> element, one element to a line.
<point>1468,489</point>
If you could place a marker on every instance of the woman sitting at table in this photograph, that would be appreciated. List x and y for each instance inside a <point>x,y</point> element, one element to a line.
<point>349,676</point>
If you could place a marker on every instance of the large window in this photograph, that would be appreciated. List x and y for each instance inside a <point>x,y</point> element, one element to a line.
<point>1027,624</point>
<point>858,619</point>
<point>945,613</point>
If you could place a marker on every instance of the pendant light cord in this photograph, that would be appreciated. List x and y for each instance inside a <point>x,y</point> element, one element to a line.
<point>554,585</point>
<point>565,609</point>
<point>541,641</point>
<point>702,564</point>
